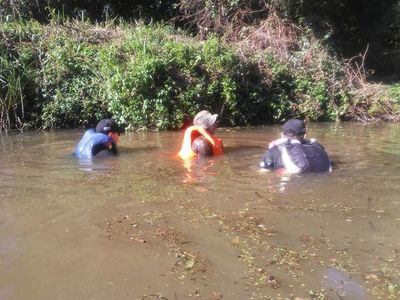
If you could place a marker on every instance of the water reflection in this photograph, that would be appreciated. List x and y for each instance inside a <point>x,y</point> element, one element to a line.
<point>197,170</point>
<point>277,180</point>
<point>95,164</point>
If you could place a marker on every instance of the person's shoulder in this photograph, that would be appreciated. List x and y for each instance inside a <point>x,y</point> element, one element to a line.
<point>317,147</point>
<point>278,142</point>
<point>313,142</point>
<point>273,152</point>
<point>89,132</point>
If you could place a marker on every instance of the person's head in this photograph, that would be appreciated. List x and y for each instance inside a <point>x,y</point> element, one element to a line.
<point>206,120</point>
<point>110,128</point>
<point>294,129</point>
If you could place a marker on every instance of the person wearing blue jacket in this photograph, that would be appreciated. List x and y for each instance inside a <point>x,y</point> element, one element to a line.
<point>102,140</point>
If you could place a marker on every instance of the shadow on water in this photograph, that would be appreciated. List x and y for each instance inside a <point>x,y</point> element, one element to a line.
<point>5,293</point>
<point>343,286</point>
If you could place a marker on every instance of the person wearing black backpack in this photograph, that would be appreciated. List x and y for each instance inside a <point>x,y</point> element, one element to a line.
<point>292,153</point>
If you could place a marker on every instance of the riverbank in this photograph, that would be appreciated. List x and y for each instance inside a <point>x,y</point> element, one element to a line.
<point>69,74</point>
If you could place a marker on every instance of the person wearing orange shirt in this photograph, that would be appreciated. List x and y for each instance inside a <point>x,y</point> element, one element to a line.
<point>199,139</point>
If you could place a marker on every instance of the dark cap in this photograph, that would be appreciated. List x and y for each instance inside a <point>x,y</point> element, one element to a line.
<point>107,125</point>
<point>205,119</point>
<point>294,127</point>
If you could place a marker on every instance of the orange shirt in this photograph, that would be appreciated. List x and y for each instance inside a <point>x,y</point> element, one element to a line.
<point>190,134</point>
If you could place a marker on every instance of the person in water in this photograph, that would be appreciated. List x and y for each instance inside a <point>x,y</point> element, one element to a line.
<point>100,141</point>
<point>293,153</point>
<point>199,139</point>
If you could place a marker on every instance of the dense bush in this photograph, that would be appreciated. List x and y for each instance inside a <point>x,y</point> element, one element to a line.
<point>348,27</point>
<point>395,92</point>
<point>72,73</point>
<point>149,76</point>
<point>143,76</point>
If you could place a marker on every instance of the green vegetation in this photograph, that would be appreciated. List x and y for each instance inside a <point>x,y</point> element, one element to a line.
<point>58,68</point>
<point>146,76</point>
<point>395,92</point>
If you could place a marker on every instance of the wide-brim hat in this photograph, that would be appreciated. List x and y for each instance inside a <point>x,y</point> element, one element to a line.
<point>205,119</point>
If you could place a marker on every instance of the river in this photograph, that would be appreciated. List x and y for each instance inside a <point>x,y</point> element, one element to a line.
<point>145,225</point>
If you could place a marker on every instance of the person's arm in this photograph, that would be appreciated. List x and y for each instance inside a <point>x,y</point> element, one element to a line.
<point>103,142</point>
<point>113,148</point>
<point>270,158</point>
<point>201,147</point>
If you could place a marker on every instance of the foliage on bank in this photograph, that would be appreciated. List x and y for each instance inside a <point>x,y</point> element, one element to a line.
<point>69,74</point>
<point>72,73</point>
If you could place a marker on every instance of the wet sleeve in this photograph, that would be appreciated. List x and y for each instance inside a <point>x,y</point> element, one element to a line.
<point>268,160</point>
<point>103,150</point>
<point>101,142</point>
<point>114,149</point>
<point>96,149</point>
<point>201,147</point>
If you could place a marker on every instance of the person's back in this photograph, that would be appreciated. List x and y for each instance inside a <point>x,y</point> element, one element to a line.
<point>202,147</point>
<point>199,139</point>
<point>316,156</point>
<point>308,156</point>
<point>294,153</point>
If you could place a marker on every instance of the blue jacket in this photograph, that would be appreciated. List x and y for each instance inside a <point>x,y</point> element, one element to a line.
<point>92,143</point>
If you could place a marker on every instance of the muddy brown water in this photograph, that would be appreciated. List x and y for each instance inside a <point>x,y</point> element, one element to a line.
<point>145,225</point>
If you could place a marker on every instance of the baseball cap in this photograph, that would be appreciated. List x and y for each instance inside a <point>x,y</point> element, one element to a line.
<point>205,119</point>
<point>107,125</point>
<point>294,127</point>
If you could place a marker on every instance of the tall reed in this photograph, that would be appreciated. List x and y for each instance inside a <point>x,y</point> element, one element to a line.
<point>11,97</point>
